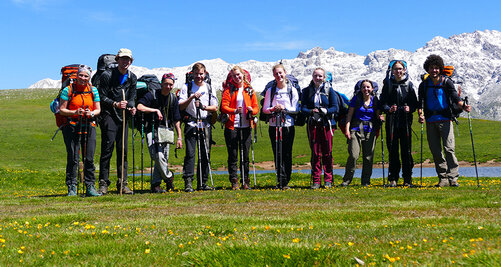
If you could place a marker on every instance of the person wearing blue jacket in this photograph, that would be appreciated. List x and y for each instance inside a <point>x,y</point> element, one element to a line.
<point>319,103</point>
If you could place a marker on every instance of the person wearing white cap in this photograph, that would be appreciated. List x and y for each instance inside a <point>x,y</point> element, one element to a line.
<point>111,84</point>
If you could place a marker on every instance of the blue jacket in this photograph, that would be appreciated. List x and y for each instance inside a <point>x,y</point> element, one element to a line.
<point>328,100</point>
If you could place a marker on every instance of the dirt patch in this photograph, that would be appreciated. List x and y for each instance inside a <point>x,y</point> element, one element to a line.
<point>270,165</point>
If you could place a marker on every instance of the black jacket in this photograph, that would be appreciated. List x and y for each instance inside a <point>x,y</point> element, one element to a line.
<point>398,93</point>
<point>110,90</point>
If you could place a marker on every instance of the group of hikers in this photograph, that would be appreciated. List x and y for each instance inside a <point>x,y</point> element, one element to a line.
<point>285,105</point>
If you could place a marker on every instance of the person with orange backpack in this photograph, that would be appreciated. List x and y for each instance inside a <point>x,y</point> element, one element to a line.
<point>239,101</point>
<point>439,103</point>
<point>80,103</point>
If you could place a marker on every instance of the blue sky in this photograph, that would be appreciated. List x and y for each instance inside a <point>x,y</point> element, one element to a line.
<point>40,36</point>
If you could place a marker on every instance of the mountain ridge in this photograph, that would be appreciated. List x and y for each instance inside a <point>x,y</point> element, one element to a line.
<point>476,57</point>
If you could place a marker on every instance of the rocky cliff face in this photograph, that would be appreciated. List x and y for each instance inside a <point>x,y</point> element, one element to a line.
<point>476,57</point>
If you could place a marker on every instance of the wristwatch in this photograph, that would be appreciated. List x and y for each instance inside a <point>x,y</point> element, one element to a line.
<point>92,114</point>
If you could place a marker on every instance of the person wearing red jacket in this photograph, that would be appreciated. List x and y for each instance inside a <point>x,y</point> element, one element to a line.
<point>239,102</point>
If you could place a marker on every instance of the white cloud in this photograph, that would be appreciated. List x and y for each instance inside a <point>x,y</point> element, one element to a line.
<point>37,4</point>
<point>102,17</point>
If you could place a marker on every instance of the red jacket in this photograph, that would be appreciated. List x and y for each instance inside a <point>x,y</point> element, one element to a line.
<point>229,104</point>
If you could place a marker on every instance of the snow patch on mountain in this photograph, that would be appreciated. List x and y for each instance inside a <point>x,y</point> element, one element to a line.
<point>476,57</point>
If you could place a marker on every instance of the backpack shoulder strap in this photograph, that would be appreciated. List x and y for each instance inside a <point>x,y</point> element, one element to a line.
<point>273,92</point>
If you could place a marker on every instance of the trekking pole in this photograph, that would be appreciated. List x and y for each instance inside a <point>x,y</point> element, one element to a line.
<point>382,150</point>
<point>133,156</point>
<point>85,141</point>
<point>277,165</point>
<point>252,149</point>
<point>123,145</point>
<point>199,122</point>
<point>422,127</point>
<point>241,147</point>
<point>472,145</point>
<point>207,153</point>
<point>280,147</point>
<point>152,143</point>
<point>79,172</point>
<point>142,144</point>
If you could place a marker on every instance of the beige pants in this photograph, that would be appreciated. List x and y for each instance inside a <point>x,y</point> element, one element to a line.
<point>354,145</point>
<point>441,135</point>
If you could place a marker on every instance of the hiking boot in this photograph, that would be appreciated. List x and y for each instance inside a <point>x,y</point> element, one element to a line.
<point>169,182</point>
<point>393,184</point>
<point>125,190</point>
<point>328,185</point>
<point>103,190</point>
<point>246,187</point>
<point>157,189</point>
<point>204,188</point>
<point>91,191</point>
<point>286,187</point>
<point>443,183</point>
<point>454,184</point>
<point>235,186</point>
<point>72,190</point>
<point>344,184</point>
<point>315,186</point>
<point>365,185</point>
<point>187,186</point>
<point>409,185</point>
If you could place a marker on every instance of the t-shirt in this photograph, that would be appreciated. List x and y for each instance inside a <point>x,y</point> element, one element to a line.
<point>362,113</point>
<point>436,100</point>
<point>241,120</point>
<point>282,97</point>
<point>123,77</point>
<point>204,100</point>
<point>161,102</point>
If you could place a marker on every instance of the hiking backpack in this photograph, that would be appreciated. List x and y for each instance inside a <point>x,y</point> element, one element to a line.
<point>449,73</point>
<point>342,104</point>
<point>104,62</point>
<point>69,76</point>
<point>299,119</point>
<point>146,83</point>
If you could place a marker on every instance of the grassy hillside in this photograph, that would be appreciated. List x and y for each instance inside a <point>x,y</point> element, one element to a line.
<point>27,126</point>
<point>372,225</point>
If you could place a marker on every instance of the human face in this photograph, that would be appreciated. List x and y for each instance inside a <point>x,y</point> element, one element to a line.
<point>124,63</point>
<point>167,86</point>
<point>237,77</point>
<point>279,75</point>
<point>199,76</point>
<point>318,77</point>
<point>83,78</point>
<point>434,71</point>
<point>398,71</point>
<point>367,88</point>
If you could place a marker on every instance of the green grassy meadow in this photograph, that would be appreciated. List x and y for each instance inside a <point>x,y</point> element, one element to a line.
<point>351,226</point>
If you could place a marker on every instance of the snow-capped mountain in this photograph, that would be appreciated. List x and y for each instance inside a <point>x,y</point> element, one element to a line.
<point>476,57</point>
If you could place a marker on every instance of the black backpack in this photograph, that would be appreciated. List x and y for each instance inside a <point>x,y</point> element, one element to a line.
<point>146,83</point>
<point>104,62</point>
